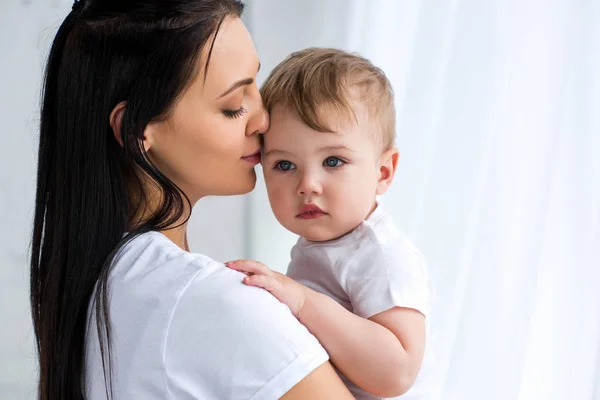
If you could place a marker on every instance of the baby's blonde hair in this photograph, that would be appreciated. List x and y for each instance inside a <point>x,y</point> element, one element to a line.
<point>315,80</point>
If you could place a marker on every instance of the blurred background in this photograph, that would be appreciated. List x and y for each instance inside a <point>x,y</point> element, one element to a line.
<point>498,110</point>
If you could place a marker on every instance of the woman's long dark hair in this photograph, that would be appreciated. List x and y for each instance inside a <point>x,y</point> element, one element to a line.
<point>143,53</point>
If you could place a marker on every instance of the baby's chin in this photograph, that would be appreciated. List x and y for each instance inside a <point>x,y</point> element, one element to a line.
<point>318,233</point>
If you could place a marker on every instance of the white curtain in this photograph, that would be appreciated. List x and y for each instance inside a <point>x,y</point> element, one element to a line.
<point>499,178</point>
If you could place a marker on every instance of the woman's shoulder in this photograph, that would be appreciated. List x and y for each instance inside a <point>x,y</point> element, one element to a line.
<point>153,265</point>
<point>152,251</point>
<point>220,338</point>
<point>239,338</point>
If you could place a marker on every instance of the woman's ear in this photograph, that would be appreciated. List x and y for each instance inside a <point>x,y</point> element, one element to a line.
<point>387,168</point>
<point>148,138</point>
<point>116,121</point>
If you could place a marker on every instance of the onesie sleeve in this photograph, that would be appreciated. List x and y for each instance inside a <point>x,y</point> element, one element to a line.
<point>387,277</point>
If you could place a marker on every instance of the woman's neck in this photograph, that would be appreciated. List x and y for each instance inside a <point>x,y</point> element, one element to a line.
<point>178,236</point>
<point>146,200</point>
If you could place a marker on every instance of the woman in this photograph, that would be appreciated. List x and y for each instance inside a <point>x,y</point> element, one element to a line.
<point>147,107</point>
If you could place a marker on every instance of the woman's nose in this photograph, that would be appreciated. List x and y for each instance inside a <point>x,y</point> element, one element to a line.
<point>259,123</point>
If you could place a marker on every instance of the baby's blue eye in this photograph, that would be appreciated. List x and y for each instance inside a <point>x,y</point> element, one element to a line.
<point>285,165</point>
<point>333,162</point>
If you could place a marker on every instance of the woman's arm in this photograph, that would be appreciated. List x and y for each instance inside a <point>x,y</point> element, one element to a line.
<point>321,384</point>
<point>381,355</point>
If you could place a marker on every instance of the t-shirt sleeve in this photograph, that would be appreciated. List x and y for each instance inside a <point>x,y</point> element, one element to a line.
<point>227,340</point>
<point>387,277</point>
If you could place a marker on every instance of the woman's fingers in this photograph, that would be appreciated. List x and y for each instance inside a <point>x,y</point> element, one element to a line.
<point>249,266</point>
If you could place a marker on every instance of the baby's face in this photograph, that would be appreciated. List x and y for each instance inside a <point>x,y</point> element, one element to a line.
<point>321,185</point>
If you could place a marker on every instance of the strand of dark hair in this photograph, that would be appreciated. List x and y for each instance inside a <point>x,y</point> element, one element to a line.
<point>89,187</point>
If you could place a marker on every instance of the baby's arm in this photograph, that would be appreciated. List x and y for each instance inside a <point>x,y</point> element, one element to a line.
<point>381,355</point>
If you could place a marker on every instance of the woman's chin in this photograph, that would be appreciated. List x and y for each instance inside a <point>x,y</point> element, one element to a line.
<point>247,185</point>
<point>248,189</point>
<point>232,187</point>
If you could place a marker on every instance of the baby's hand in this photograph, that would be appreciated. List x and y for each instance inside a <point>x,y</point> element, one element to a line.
<point>284,288</point>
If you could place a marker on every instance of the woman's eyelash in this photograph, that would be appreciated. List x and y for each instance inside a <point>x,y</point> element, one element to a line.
<point>234,113</point>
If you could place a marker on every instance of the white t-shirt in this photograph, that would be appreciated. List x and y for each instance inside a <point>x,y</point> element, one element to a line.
<point>369,270</point>
<point>186,327</point>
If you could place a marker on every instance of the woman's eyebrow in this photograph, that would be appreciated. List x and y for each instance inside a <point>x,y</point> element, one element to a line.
<point>243,82</point>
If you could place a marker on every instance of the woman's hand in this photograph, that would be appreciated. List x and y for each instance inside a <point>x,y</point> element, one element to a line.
<point>284,288</point>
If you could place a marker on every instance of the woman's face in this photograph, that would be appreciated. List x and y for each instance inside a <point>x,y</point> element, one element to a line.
<point>209,145</point>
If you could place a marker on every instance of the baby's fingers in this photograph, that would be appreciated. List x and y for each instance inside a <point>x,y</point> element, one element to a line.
<point>273,285</point>
<point>268,283</point>
<point>249,266</point>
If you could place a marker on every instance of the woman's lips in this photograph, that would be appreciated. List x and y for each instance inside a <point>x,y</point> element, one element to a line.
<point>310,211</point>
<point>253,158</point>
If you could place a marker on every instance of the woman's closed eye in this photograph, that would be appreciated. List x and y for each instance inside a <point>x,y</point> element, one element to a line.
<point>234,113</point>
<point>333,162</point>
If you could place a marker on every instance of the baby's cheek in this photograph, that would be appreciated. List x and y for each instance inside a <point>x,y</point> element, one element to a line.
<point>280,200</point>
<point>354,195</point>
<point>346,185</point>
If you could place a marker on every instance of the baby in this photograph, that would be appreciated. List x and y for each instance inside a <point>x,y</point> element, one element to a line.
<point>355,281</point>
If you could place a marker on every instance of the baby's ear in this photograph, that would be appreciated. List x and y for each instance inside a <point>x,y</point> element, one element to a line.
<point>387,168</point>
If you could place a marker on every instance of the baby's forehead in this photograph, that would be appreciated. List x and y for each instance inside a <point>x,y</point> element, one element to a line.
<point>350,139</point>
<point>331,122</point>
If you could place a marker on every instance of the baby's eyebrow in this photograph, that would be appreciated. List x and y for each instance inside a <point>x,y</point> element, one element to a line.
<point>320,150</point>
<point>276,151</point>
<point>335,148</point>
